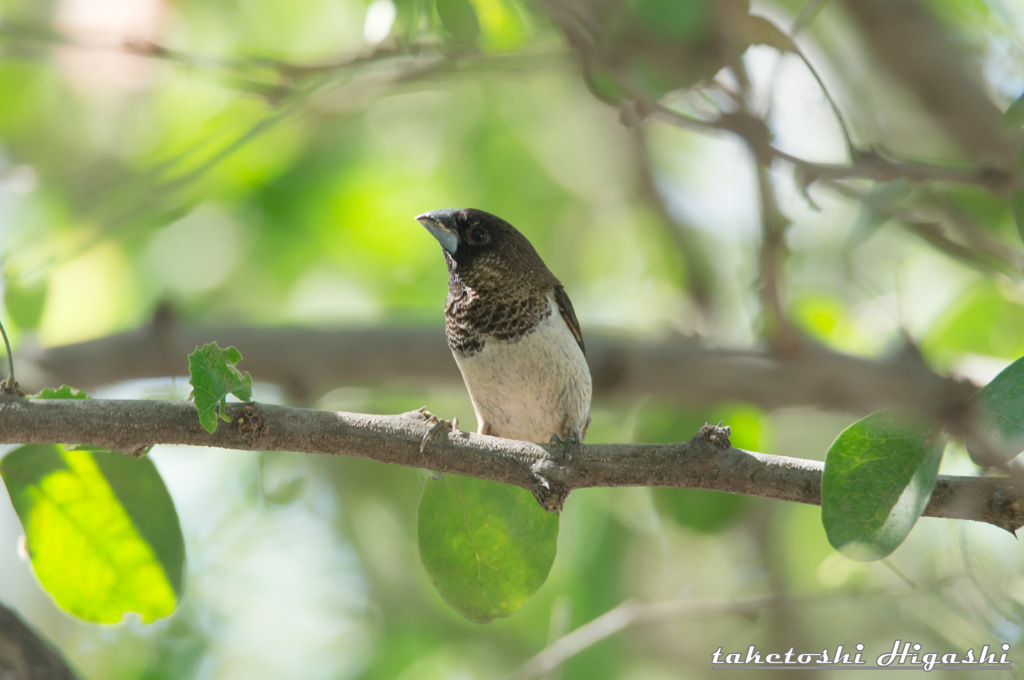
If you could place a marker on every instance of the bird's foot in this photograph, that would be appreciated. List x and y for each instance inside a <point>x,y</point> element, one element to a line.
<point>570,446</point>
<point>436,424</point>
<point>550,493</point>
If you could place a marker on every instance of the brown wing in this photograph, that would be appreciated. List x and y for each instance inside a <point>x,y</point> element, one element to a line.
<point>569,314</point>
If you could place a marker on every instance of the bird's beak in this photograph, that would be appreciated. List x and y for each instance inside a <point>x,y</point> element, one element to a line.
<point>441,225</point>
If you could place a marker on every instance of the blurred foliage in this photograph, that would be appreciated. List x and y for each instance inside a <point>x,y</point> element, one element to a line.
<point>262,163</point>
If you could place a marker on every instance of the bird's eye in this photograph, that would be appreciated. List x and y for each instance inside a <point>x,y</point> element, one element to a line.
<point>479,236</point>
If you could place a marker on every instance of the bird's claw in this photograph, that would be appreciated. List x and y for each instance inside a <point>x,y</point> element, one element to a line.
<point>549,493</point>
<point>570,445</point>
<point>436,425</point>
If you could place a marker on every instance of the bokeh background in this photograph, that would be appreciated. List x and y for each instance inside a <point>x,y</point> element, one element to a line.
<point>731,178</point>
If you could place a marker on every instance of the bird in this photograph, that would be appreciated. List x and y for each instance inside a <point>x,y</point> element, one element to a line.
<point>512,330</point>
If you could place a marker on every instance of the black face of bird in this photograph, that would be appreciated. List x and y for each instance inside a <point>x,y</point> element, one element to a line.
<point>483,247</point>
<point>470,228</point>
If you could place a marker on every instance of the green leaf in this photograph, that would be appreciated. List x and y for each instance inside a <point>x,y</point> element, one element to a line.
<point>1017,204</point>
<point>487,546</point>
<point>213,377</point>
<point>999,406</point>
<point>25,302</point>
<point>62,392</point>
<point>986,318</point>
<point>1014,116</point>
<point>281,477</point>
<point>502,26</point>
<point>100,528</point>
<point>458,17</point>
<point>879,474</point>
<point>706,511</point>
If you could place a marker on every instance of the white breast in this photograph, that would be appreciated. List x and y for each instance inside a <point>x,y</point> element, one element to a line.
<point>533,387</point>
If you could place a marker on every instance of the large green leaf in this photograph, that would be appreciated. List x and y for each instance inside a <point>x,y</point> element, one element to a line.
<point>213,376</point>
<point>878,477</point>
<point>487,546</point>
<point>1000,412</point>
<point>100,528</point>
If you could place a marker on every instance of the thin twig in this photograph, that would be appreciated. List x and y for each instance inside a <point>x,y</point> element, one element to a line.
<point>10,386</point>
<point>636,614</point>
<point>865,165</point>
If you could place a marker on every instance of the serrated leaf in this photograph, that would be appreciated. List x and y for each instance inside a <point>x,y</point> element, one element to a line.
<point>62,392</point>
<point>487,546</point>
<point>999,406</point>
<point>213,377</point>
<point>879,474</point>
<point>101,531</point>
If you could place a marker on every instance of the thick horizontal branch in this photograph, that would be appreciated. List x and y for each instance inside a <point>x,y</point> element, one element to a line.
<point>130,425</point>
<point>308,362</point>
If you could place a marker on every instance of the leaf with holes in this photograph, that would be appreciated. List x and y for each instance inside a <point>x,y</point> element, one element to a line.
<point>879,474</point>
<point>213,377</point>
<point>487,546</point>
<point>100,528</point>
<point>62,392</point>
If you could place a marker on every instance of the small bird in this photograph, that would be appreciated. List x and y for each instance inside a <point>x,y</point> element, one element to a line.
<point>512,330</point>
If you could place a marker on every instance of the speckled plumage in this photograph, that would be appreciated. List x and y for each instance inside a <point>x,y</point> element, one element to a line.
<point>512,330</point>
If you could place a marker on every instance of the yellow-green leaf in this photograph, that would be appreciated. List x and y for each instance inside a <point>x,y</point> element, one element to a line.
<point>100,528</point>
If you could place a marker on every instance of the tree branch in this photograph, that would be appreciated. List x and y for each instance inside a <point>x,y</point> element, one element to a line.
<point>701,463</point>
<point>307,362</point>
<point>24,655</point>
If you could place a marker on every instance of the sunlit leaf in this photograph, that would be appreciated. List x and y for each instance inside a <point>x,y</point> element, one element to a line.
<point>213,377</point>
<point>983,319</point>
<point>487,546</point>
<point>502,26</point>
<point>101,530</point>
<point>879,474</point>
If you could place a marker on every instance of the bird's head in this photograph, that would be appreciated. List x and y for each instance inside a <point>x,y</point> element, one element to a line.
<point>486,251</point>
